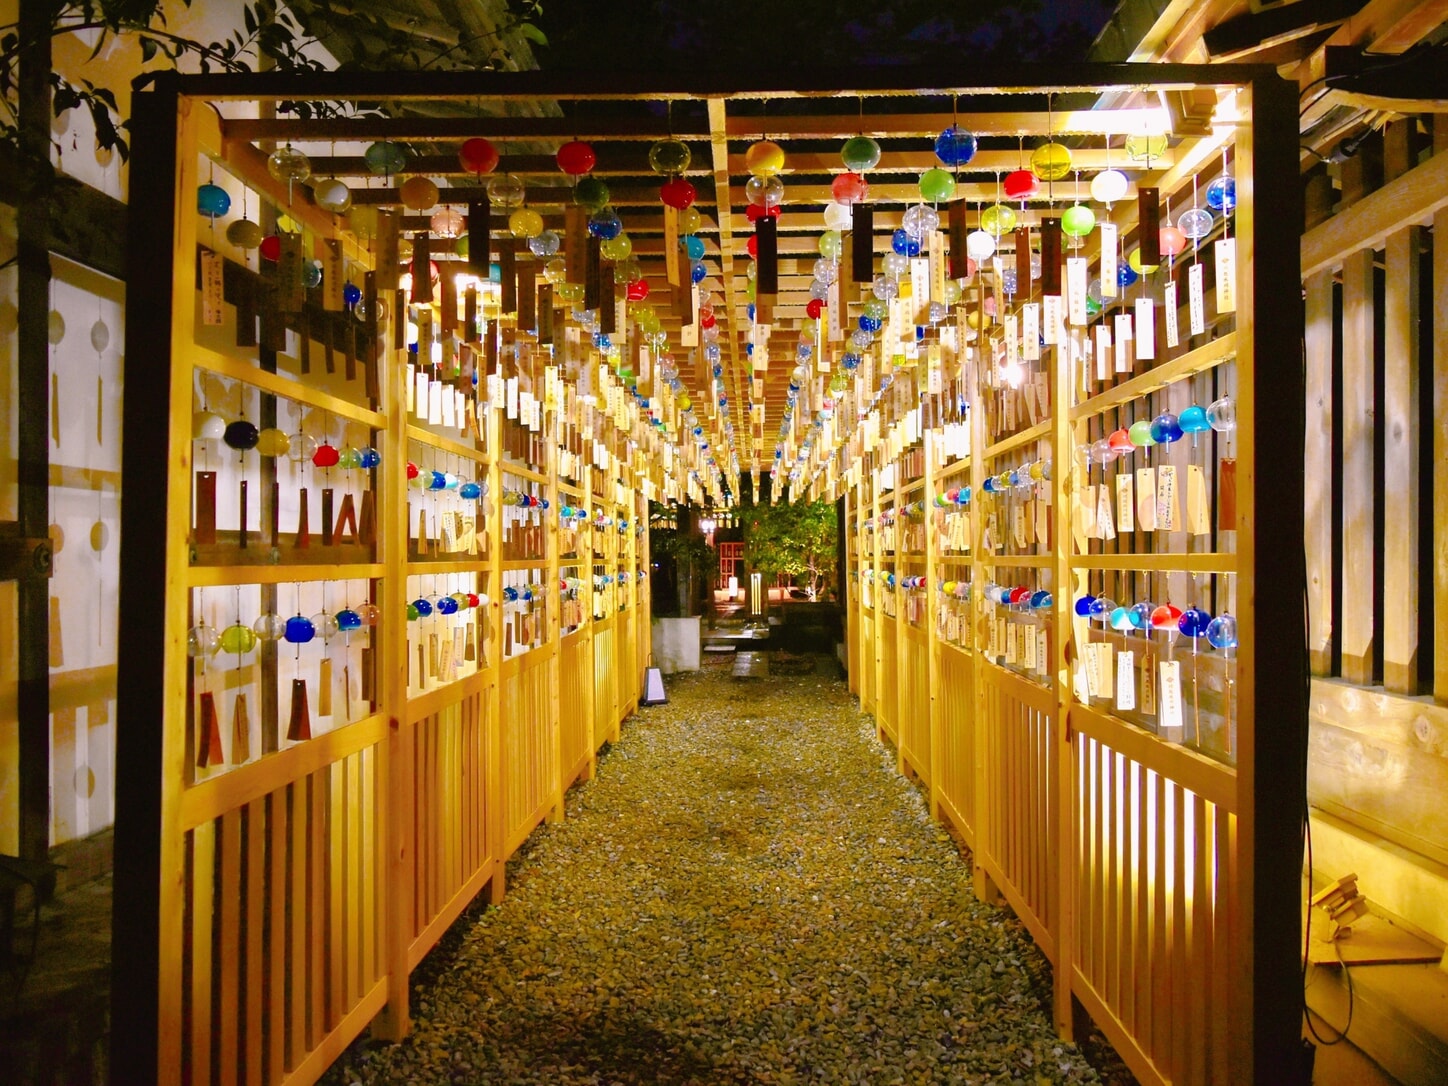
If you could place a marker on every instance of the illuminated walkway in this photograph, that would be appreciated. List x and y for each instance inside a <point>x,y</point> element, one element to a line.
<point>746,894</point>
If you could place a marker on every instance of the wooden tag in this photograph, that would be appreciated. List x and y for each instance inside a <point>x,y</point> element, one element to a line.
<point>324,687</point>
<point>205,530</point>
<point>1225,252</point>
<point>1095,680</point>
<point>1125,681</point>
<point>1146,499</point>
<point>1169,312</point>
<point>1105,529</point>
<point>1227,494</point>
<point>1196,301</point>
<point>211,292</point>
<point>240,731</point>
<point>1199,521</point>
<point>1171,694</point>
<point>1168,504</point>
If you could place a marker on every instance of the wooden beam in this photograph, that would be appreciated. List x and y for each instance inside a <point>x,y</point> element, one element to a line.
<point>1404,23</point>
<point>1358,495</point>
<point>639,127</point>
<point>631,160</point>
<point>1410,200</point>
<point>1256,30</point>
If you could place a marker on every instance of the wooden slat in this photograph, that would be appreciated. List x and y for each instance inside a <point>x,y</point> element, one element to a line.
<point>1358,494</point>
<point>253,1054</point>
<point>278,845</point>
<point>1318,465</point>
<point>228,947</point>
<point>1400,461</point>
<point>203,887</point>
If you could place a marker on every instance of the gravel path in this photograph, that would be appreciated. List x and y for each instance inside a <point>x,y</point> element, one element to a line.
<point>748,893</point>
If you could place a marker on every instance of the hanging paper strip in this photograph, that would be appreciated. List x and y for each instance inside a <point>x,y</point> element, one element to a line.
<point>766,279</point>
<point>329,251</point>
<point>862,237</point>
<point>421,268</point>
<point>208,745</point>
<point>1148,218</point>
<point>480,236</point>
<point>545,321</point>
<point>527,296</point>
<point>592,275</point>
<point>205,530</point>
<point>959,269</point>
<point>1108,260</point>
<point>448,300</point>
<point>386,252</point>
<point>508,275</point>
<point>672,271</point>
<point>291,290</point>
<point>575,242</point>
<point>1051,256</point>
<point>300,725</point>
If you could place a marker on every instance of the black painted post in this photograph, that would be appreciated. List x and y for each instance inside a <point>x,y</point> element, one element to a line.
<point>140,686</point>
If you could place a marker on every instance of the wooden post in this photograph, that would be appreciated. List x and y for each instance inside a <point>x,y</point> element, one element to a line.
<point>932,643</point>
<point>553,602</point>
<point>1358,495</point>
<point>497,885</point>
<point>146,990</point>
<point>396,770</point>
<point>1271,791</point>
<point>1400,467</point>
<point>33,407</point>
<point>1318,466</point>
<point>1064,434</point>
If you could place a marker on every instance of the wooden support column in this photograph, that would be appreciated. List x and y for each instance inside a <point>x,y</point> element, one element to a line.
<point>1440,430</point>
<point>553,603</point>
<point>1358,497</point>
<point>1400,456</point>
<point>396,769</point>
<point>1318,466</point>
<point>932,614</point>
<point>497,885</point>
<point>33,436</point>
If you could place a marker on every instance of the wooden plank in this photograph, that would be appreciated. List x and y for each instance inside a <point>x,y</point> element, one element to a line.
<point>275,1012</point>
<point>1400,461</point>
<point>299,919</point>
<point>1318,466</point>
<point>1378,759</point>
<point>203,898</point>
<point>1358,494</point>
<point>253,1052</point>
<point>1414,199</point>
<point>228,944</point>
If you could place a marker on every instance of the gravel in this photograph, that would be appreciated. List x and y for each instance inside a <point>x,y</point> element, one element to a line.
<point>747,893</point>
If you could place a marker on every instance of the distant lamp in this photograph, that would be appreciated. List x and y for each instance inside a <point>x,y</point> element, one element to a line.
<point>653,686</point>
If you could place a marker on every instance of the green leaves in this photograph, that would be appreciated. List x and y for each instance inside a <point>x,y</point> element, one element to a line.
<point>796,539</point>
